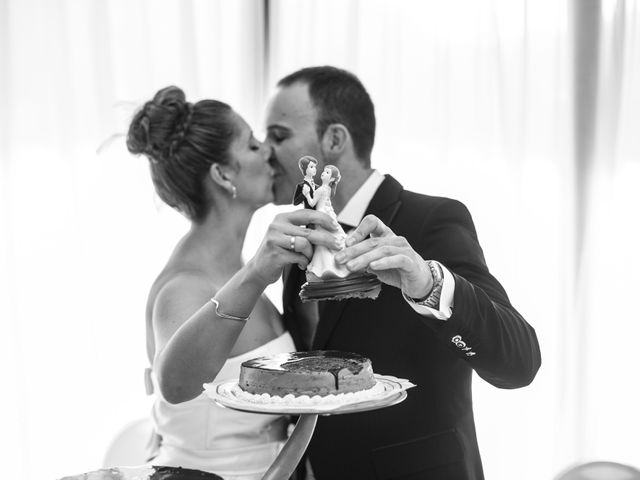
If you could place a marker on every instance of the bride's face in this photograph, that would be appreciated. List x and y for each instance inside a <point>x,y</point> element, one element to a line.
<point>325,176</point>
<point>254,175</point>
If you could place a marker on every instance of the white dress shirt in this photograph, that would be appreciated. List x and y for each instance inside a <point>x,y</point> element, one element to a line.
<point>352,214</point>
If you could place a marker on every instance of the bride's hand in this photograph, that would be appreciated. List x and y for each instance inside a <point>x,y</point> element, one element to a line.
<point>288,241</point>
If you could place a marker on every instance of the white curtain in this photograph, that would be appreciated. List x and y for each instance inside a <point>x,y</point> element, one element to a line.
<point>608,392</point>
<point>81,233</point>
<point>475,100</point>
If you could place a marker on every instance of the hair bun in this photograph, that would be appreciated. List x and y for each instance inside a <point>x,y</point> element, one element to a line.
<point>159,126</point>
<point>169,96</point>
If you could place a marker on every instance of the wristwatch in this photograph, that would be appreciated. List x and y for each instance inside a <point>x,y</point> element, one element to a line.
<point>432,299</point>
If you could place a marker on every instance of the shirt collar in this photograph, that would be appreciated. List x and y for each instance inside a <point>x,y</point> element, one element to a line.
<point>353,211</point>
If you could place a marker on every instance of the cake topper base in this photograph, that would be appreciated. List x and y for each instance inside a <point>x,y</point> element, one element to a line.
<point>364,285</point>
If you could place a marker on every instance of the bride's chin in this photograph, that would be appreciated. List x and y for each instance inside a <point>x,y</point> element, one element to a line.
<point>264,202</point>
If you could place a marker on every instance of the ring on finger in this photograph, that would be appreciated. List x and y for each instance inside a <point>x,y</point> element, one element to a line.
<point>292,243</point>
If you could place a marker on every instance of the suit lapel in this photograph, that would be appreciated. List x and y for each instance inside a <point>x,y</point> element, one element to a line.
<point>290,289</point>
<point>286,274</point>
<point>384,205</point>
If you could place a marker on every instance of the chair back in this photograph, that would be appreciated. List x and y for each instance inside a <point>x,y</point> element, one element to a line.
<point>600,471</point>
<point>131,446</point>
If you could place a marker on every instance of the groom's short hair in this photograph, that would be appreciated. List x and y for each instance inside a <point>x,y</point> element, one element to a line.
<point>304,162</point>
<point>338,96</point>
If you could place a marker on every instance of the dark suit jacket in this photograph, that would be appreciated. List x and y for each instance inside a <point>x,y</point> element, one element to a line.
<point>299,198</point>
<point>431,435</point>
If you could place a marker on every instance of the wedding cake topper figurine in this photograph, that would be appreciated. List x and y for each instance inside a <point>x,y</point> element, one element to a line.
<point>323,265</point>
<point>327,280</point>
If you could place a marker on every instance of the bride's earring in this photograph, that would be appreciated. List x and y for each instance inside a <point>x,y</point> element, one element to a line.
<point>234,191</point>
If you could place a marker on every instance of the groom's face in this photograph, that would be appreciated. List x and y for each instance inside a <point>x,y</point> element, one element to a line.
<point>291,133</point>
<point>311,170</point>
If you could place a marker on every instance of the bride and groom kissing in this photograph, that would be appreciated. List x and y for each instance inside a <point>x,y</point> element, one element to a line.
<point>440,316</point>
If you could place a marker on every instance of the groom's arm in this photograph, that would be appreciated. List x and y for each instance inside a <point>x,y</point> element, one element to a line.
<point>298,197</point>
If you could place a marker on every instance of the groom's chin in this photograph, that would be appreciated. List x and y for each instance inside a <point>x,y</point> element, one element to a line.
<point>282,195</point>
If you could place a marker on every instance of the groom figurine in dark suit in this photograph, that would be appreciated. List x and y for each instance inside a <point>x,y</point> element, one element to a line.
<point>307,166</point>
<point>440,315</point>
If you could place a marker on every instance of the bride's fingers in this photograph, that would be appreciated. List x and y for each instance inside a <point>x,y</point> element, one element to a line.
<point>307,216</point>
<point>290,229</point>
<point>302,262</point>
<point>297,244</point>
<point>299,259</point>
<point>316,237</point>
<point>326,239</point>
<point>305,248</point>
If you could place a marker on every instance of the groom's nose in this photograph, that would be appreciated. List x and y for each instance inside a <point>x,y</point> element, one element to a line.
<point>273,160</point>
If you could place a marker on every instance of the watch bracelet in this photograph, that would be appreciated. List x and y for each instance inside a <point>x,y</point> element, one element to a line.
<point>432,300</point>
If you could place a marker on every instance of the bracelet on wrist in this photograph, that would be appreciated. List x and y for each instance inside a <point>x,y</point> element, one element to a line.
<point>216,303</point>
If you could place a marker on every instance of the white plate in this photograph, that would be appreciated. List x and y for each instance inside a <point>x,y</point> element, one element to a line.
<point>388,391</point>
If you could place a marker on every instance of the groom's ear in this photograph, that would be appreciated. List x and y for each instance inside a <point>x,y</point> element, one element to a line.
<point>335,139</point>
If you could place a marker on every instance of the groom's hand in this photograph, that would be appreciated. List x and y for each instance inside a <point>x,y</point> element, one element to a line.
<point>373,246</point>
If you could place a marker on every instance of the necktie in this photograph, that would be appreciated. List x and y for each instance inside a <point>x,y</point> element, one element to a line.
<point>346,228</point>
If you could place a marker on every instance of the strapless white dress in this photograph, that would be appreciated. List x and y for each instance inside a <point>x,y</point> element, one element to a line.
<point>200,435</point>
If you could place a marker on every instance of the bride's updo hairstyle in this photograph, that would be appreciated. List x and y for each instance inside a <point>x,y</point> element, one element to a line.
<point>182,140</point>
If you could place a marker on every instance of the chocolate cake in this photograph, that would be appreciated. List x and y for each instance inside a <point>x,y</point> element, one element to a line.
<point>319,372</point>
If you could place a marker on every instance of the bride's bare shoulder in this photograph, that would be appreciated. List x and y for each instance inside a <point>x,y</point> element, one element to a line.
<point>181,280</point>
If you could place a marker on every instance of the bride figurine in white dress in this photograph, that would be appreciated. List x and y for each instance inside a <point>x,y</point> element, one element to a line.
<point>323,265</point>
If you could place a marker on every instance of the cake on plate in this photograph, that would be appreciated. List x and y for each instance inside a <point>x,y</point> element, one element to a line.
<point>319,372</point>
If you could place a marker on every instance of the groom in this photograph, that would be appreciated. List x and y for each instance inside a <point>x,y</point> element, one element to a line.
<point>440,315</point>
<point>307,166</point>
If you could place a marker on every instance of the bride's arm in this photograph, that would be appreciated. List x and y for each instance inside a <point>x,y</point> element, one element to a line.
<point>193,341</point>
<point>193,337</point>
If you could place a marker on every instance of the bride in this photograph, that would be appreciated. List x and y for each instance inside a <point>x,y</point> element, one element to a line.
<point>205,312</point>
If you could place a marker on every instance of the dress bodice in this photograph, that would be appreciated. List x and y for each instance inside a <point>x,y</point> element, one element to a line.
<point>323,196</point>
<point>201,435</point>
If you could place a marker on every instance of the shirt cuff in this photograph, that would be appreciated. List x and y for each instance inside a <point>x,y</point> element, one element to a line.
<point>446,299</point>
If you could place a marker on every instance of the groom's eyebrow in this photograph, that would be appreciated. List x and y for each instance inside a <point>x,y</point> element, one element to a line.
<point>278,127</point>
<point>279,131</point>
